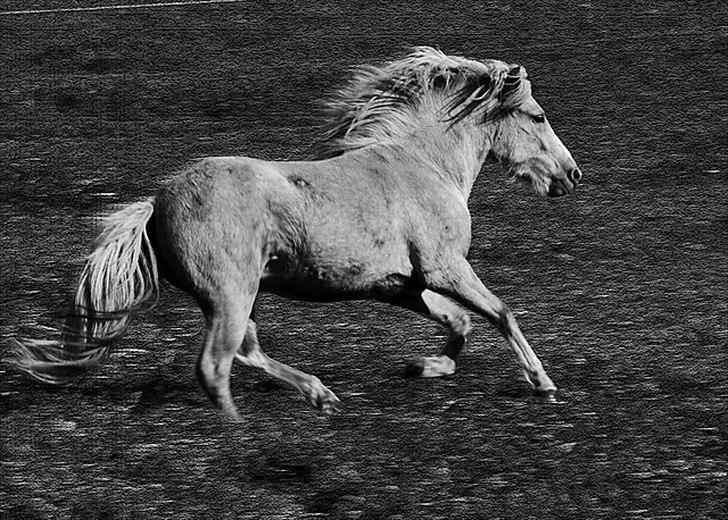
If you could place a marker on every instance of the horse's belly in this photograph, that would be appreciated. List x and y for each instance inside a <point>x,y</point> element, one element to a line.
<point>347,279</point>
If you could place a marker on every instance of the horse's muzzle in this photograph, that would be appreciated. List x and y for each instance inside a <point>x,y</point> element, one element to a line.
<point>559,187</point>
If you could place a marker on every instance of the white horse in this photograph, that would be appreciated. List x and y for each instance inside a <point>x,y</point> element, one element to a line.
<point>381,214</point>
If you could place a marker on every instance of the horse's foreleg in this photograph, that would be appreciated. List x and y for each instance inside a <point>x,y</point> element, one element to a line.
<point>447,313</point>
<point>250,353</point>
<point>458,281</point>
<point>226,330</point>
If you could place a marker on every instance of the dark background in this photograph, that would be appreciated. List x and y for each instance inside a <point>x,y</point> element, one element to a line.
<point>621,287</point>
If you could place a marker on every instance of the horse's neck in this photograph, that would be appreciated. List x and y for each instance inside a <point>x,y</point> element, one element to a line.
<point>455,154</point>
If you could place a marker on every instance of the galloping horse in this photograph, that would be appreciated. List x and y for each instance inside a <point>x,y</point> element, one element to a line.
<point>381,213</point>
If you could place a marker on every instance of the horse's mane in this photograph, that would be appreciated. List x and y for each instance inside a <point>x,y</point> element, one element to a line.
<point>380,103</point>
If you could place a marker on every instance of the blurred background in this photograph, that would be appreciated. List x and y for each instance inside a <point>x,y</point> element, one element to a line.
<point>620,288</point>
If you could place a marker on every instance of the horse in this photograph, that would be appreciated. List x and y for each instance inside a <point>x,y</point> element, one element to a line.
<point>379,212</point>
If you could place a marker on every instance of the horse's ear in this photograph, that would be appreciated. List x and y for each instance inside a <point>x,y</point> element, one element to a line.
<point>475,90</point>
<point>512,81</point>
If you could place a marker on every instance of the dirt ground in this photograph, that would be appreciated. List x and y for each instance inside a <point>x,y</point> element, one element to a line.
<point>621,287</point>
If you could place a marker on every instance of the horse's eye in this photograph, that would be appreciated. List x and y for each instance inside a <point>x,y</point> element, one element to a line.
<point>539,118</point>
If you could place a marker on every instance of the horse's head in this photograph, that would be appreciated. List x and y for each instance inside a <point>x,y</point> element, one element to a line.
<point>522,139</point>
<point>490,98</point>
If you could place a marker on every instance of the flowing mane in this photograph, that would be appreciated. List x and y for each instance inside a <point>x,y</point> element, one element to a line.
<point>381,103</point>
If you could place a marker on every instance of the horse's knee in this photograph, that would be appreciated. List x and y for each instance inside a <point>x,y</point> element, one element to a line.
<point>458,322</point>
<point>459,329</point>
<point>462,324</point>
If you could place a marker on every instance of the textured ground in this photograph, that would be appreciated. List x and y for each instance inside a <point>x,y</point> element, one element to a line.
<point>621,287</point>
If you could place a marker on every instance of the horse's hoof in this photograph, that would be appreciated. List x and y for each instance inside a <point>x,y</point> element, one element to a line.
<point>321,398</point>
<point>540,383</point>
<point>548,395</point>
<point>232,415</point>
<point>328,405</point>
<point>414,368</point>
<point>438,366</point>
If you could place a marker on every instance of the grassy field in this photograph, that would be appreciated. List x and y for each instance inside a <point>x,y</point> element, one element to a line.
<point>621,287</point>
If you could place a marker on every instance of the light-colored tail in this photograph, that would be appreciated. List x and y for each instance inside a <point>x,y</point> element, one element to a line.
<point>119,277</point>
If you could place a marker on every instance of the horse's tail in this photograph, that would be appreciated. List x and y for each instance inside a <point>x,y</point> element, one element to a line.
<point>119,277</point>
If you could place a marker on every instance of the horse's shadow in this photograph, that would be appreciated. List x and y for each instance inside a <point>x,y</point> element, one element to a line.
<point>164,391</point>
<point>157,393</point>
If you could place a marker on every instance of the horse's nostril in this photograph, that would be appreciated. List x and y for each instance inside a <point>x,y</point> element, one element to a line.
<point>575,176</point>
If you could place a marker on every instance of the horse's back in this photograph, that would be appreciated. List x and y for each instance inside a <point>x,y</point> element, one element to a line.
<point>215,180</point>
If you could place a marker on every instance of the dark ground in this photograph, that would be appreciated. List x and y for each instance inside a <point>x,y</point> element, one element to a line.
<point>621,287</point>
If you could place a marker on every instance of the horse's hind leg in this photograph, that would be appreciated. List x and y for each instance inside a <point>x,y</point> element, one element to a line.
<point>449,314</point>
<point>227,323</point>
<point>310,386</point>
